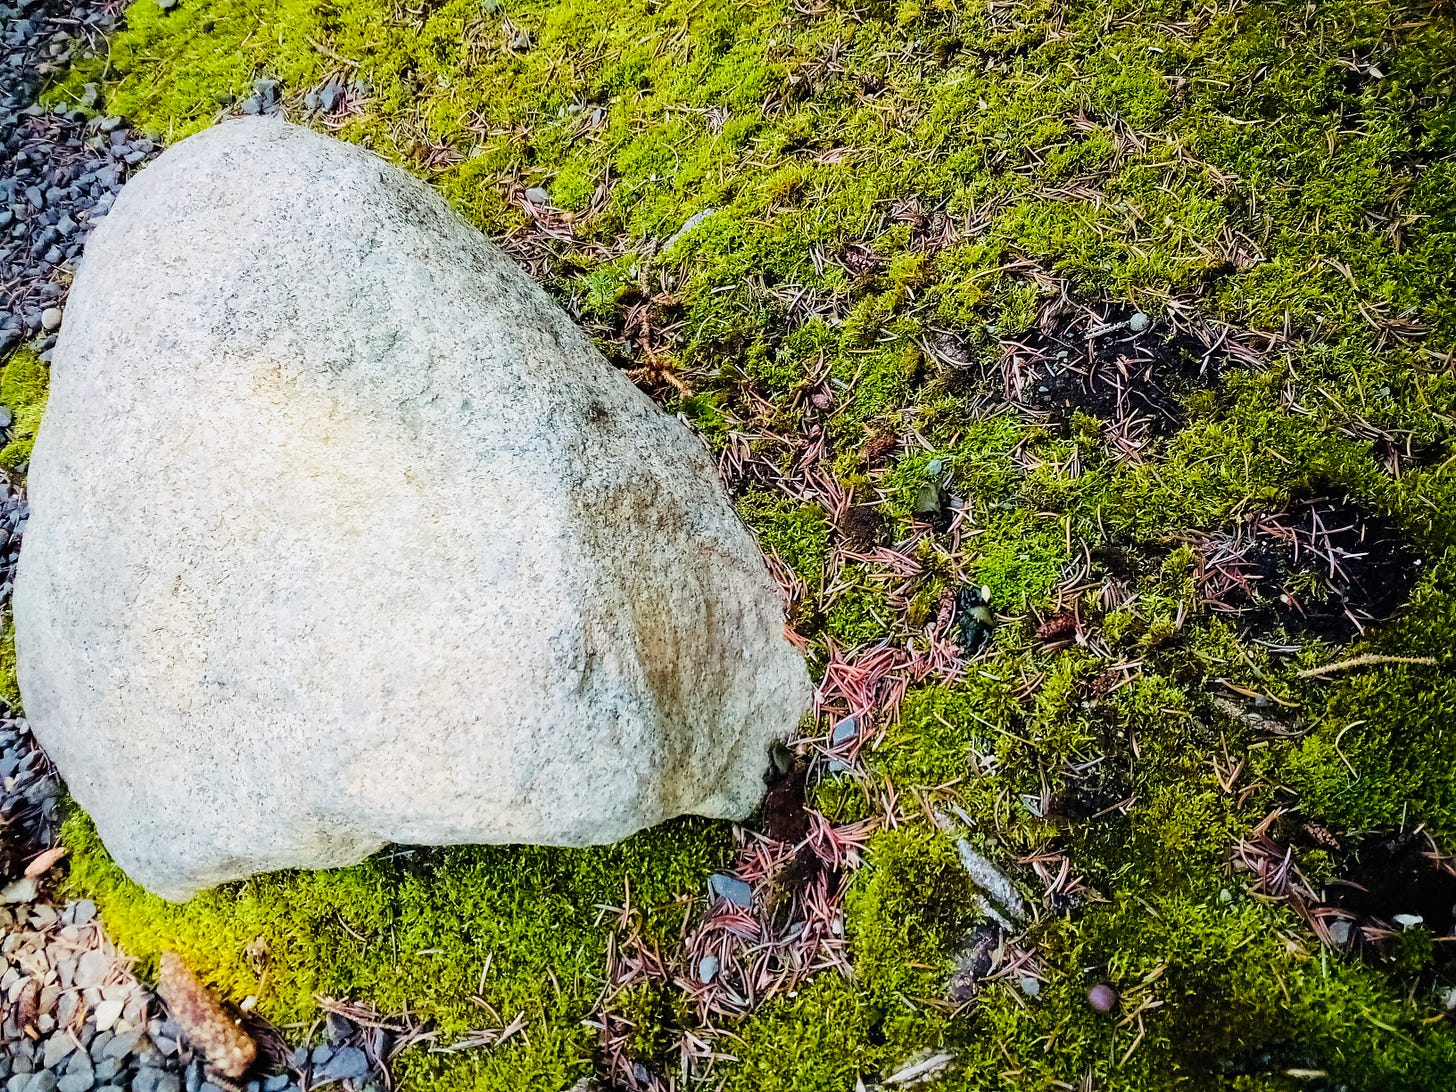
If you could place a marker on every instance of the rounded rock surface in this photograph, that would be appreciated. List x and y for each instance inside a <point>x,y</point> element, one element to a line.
<point>420,565</point>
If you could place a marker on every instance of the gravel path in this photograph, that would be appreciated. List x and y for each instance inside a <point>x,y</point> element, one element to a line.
<point>60,167</point>
<point>75,1019</point>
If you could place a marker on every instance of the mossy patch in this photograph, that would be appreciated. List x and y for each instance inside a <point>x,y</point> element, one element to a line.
<point>463,938</point>
<point>24,384</point>
<point>9,688</point>
<point>886,206</point>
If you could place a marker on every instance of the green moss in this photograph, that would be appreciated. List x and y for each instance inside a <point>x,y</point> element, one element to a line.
<point>1372,757</point>
<point>859,613</point>
<point>9,687</point>
<point>24,383</point>
<point>416,929</point>
<point>798,534</point>
<point>897,190</point>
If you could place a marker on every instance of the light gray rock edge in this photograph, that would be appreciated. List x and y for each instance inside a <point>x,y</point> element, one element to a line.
<point>343,534</point>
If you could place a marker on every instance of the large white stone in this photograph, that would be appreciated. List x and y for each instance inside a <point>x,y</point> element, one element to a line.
<point>343,534</point>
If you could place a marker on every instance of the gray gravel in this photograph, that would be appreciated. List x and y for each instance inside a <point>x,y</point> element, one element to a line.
<point>29,789</point>
<point>59,168</point>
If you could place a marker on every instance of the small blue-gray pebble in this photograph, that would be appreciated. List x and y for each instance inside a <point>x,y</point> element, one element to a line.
<point>337,1028</point>
<point>79,1062</point>
<point>735,891</point>
<point>120,1045</point>
<point>350,1063</point>
<point>148,1079</point>
<point>107,1068</point>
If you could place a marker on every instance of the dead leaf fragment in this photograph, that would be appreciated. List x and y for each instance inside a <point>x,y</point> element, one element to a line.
<point>205,1024</point>
<point>28,1003</point>
<point>44,862</point>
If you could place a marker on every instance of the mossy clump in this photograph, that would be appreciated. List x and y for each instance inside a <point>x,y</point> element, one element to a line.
<point>796,533</point>
<point>24,384</point>
<point>9,687</point>
<point>843,240</point>
<point>464,939</point>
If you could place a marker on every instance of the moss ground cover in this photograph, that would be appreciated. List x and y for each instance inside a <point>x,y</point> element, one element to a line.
<point>1235,224</point>
<point>24,382</point>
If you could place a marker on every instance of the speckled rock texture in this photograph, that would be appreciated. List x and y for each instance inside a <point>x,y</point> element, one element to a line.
<point>343,534</point>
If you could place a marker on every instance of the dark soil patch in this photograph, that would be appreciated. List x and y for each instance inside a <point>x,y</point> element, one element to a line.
<point>1390,880</point>
<point>784,816</point>
<point>863,526</point>
<point>1406,453</point>
<point>1391,899</point>
<point>1128,562</point>
<point>1093,792</point>
<point>1324,566</point>
<point>1278,1058</point>
<point>973,619</point>
<point>1110,361</point>
<point>976,959</point>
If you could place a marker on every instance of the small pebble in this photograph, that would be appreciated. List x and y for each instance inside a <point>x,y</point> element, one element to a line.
<point>121,1045</point>
<point>22,890</point>
<point>723,886</point>
<point>347,1064</point>
<point>1139,323</point>
<point>1102,997</point>
<point>92,968</point>
<point>107,1013</point>
<point>107,1068</point>
<point>537,196</point>
<point>148,1079</point>
<point>337,1028</point>
<point>57,1047</point>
